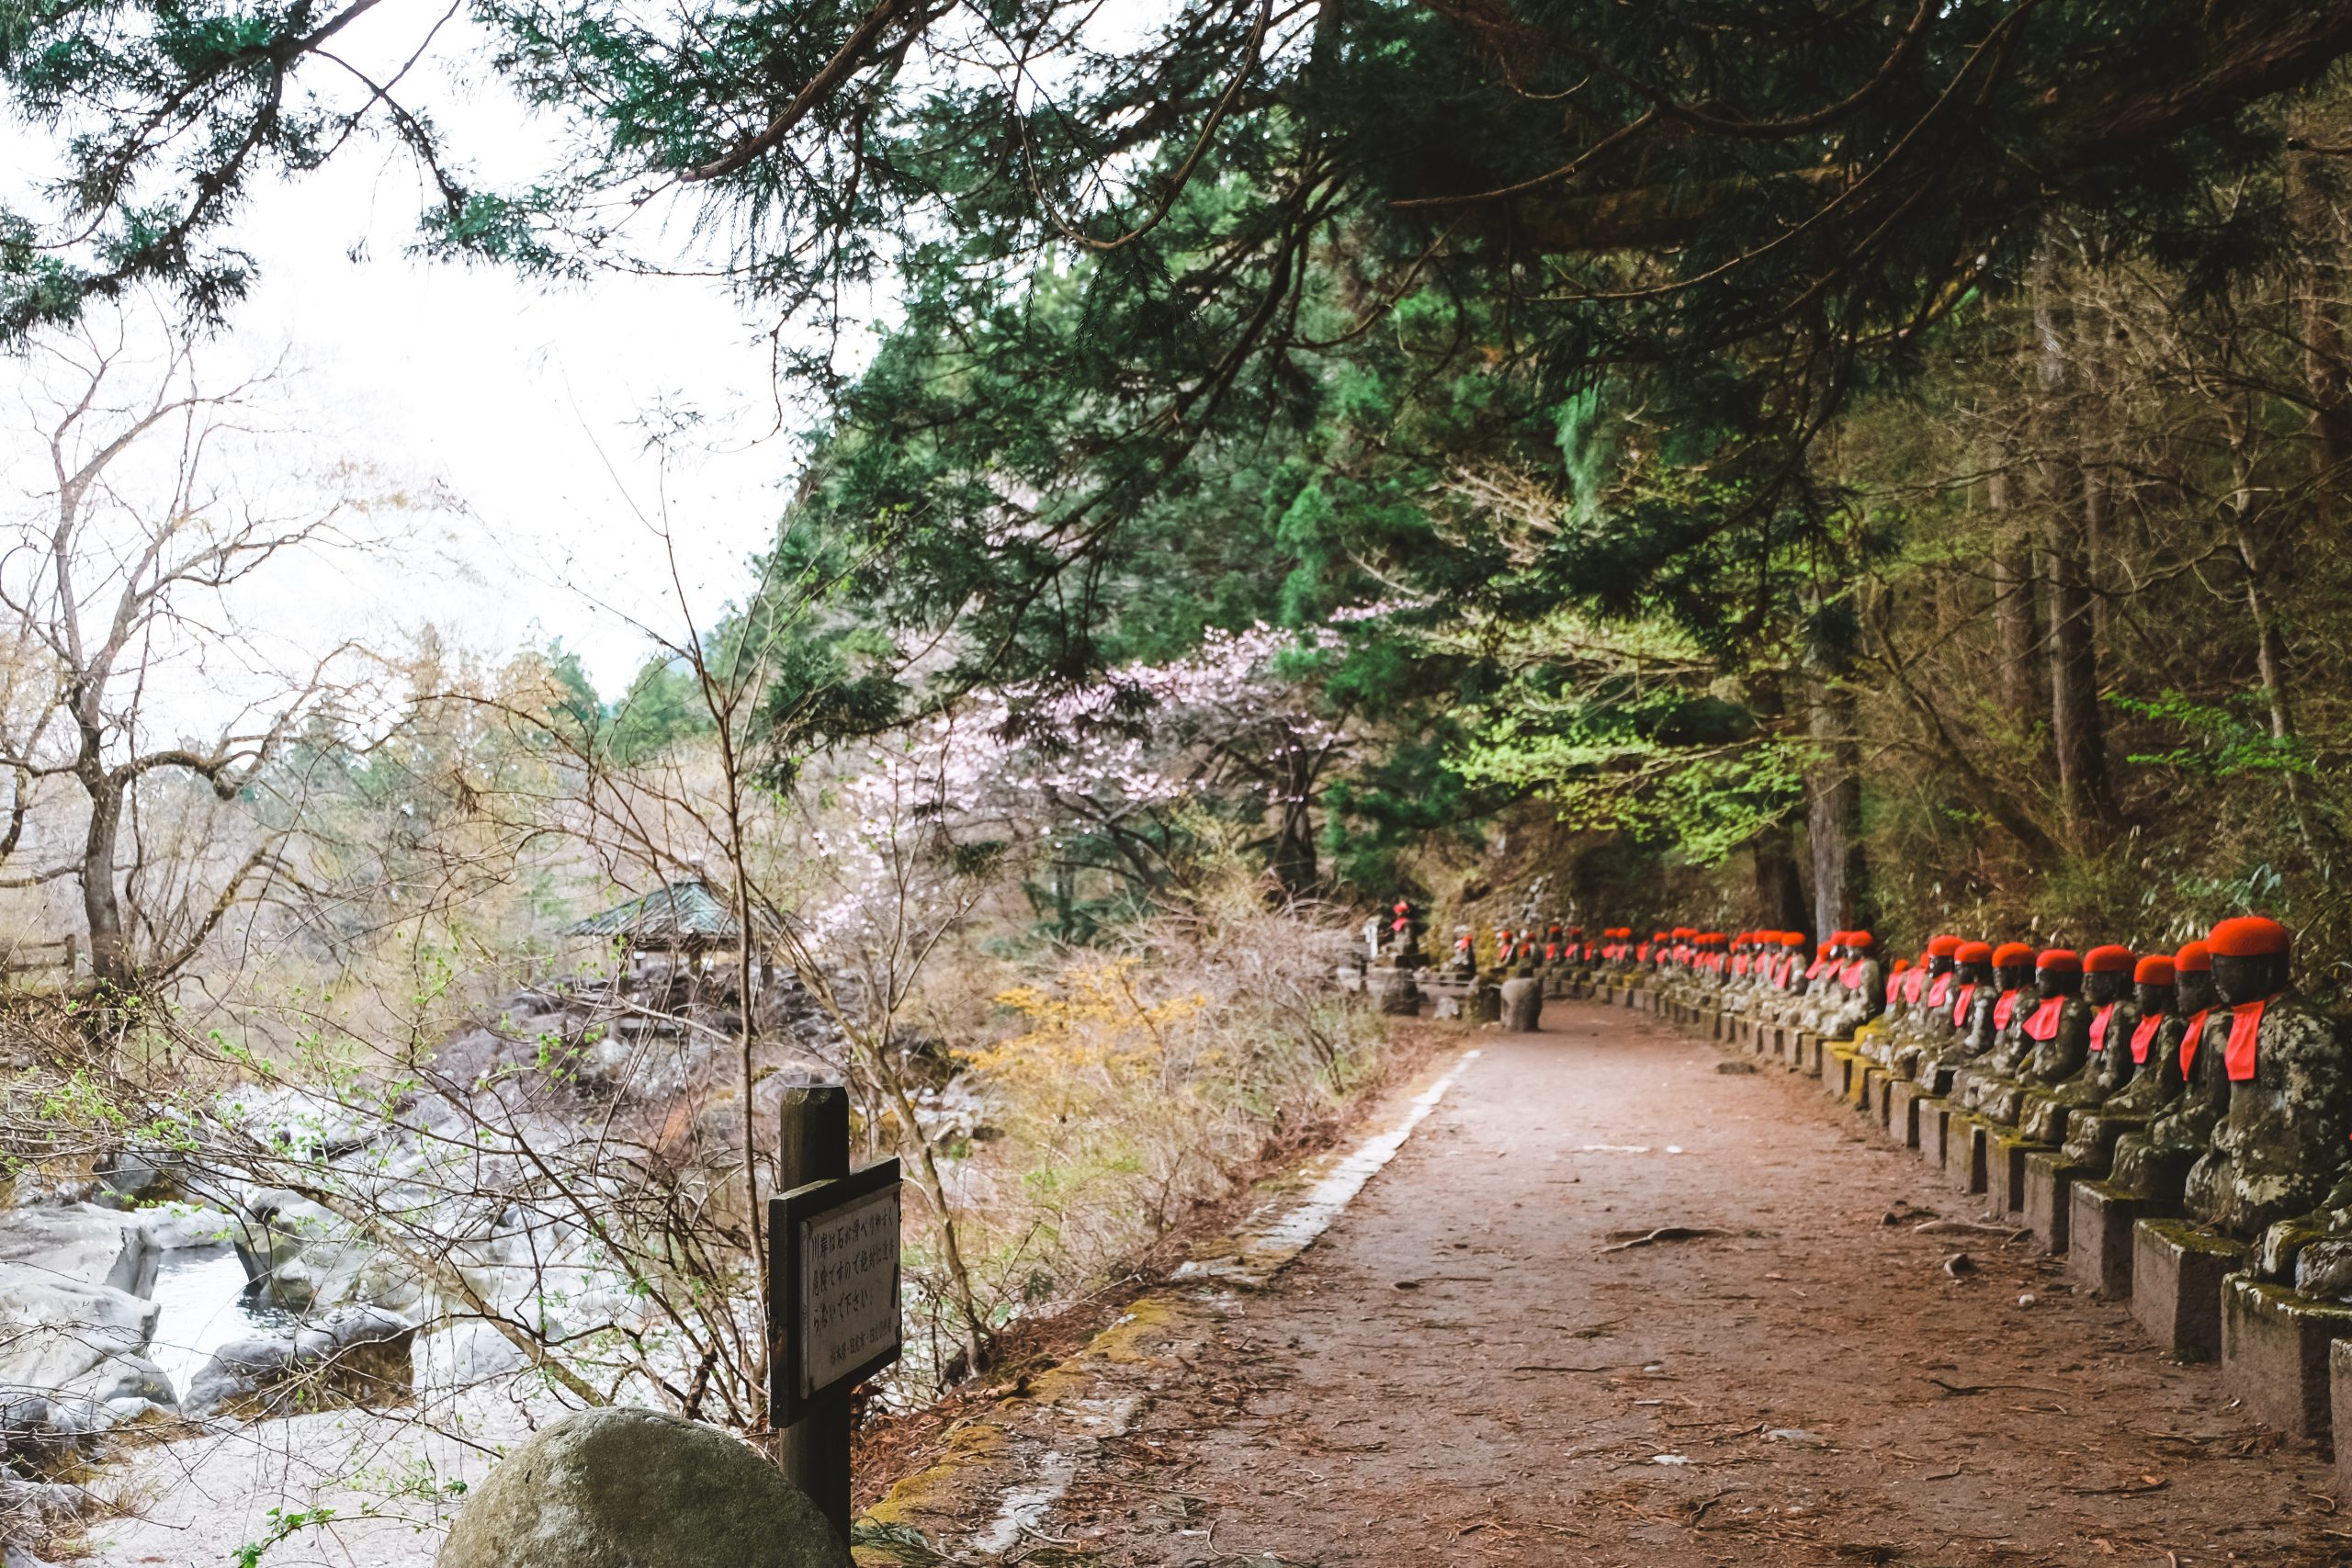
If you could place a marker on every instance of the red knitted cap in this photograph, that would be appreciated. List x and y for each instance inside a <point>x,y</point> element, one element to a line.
<point>1944,947</point>
<point>1974,953</point>
<point>2108,960</point>
<point>1863,939</point>
<point>2012,955</point>
<point>2196,958</point>
<point>2249,936</point>
<point>2060,960</point>
<point>2154,970</point>
<point>1792,939</point>
<point>1900,965</point>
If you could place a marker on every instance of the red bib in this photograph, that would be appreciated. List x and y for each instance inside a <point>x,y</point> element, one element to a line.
<point>2189,1041</point>
<point>2003,1010</point>
<point>2143,1034</point>
<point>1892,983</point>
<point>1850,977</point>
<point>1814,970</point>
<point>1911,984</point>
<point>2043,1024</point>
<point>1940,992</point>
<point>2099,1026</point>
<point>2246,1029</point>
<point>1959,1007</point>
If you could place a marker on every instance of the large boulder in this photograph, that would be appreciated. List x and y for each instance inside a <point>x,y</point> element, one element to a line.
<point>81,1243</point>
<point>355,1355</point>
<point>617,1488</point>
<point>54,1331</point>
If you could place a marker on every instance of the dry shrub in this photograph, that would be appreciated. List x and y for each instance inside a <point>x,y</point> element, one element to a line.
<point>1133,1086</point>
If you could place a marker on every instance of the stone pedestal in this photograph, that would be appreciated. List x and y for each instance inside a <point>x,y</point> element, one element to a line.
<point>1862,1078</point>
<point>2050,1195</point>
<point>1933,1116</point>
<point>1522,1004</point>
<point>1964,1152</point>
<point>2005,1155</point>
<point>2275,1352</point>
<point>2339,1380</point>
<point>2177,1274</point>
<point>2099,1224</point>
<point>1393,992</point>
<point>1837,1069</point>
<point>1903,1099</point>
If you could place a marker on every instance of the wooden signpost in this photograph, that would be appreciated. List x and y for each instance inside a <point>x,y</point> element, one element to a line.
<point>833,1291</point>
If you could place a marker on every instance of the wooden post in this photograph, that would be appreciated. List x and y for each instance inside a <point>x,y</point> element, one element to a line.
<point>813,1146</point>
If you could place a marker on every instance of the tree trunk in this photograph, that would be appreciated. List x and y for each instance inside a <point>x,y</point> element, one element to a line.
<point>1295,863</point>
<point>2311,196</point>
<point>2016,633</point>
<point>1781,902</point>
<point>2076,734</point>
<point>2270,641</point>
<point>101,903</point>
<point>1834,809</point>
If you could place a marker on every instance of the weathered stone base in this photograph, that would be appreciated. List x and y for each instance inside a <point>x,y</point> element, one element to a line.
<point>1934,1119</point>
<point>1903,1112</point>
<point>2005,1156</point>
<point>1964,1152</point>
<point>2176,1273</point>
<point>2340,1381</point>
<point>2098,1236</point>
<point>1861,1080</point>
<point>2275,1349</point>
<point>1836,1068</point>
<point>2050,1195</point>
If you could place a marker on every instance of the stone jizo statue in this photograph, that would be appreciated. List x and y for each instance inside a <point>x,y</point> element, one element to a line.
<point>2281,1147</point>
<point>2154,1164</point>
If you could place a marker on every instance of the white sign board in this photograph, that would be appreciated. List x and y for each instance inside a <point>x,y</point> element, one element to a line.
<point>849,1289</point>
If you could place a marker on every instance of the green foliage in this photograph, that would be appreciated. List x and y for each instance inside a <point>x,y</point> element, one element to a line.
<point>2217,740</point>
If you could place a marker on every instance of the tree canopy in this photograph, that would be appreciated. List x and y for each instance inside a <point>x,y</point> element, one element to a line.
<point>1634,386</point>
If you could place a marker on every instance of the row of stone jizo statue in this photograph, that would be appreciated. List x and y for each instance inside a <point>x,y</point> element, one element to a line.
<point>2178,1124</point>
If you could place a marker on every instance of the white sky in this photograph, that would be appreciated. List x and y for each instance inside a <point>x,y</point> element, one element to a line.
<point>520,397</point>
<point>517,398</point>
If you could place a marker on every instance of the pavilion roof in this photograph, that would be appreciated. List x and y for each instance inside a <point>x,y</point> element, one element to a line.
<point>683,911</point>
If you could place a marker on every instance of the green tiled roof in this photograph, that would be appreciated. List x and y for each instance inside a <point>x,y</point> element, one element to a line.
<point>675,912</point>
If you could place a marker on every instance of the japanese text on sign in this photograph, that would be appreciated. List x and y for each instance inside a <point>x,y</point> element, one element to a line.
<point>849,1288</point>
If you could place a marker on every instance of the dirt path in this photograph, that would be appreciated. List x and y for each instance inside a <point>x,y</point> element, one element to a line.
<point>1460,1372</point>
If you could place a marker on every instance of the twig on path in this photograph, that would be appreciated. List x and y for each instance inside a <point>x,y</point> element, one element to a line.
<point>1615,1368</point>
<point>1664,1233</point>
<point>1991,1387</point>
<point>1969,1227</point>
<point>2134,1491</point>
